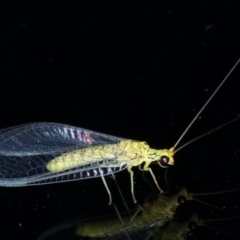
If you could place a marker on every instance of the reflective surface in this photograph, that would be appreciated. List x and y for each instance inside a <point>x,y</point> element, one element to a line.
<point>136,71</point>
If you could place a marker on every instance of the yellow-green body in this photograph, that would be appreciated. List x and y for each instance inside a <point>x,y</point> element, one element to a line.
<point>131,152</point>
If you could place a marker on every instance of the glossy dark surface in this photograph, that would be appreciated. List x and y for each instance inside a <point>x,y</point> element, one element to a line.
<point>130,70</point>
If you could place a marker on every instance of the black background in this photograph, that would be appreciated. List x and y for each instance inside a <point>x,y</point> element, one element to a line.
<point>138,71</point>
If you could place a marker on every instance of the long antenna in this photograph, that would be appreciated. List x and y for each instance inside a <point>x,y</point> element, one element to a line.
<point>207,133</point>
<point>207,102</point>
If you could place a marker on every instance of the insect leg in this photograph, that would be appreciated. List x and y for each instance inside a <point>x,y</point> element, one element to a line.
<point>106,186</point>
<point>146,168</point>
<point>132,186</point>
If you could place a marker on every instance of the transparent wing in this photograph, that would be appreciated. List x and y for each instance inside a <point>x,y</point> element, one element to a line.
<point>49,138</point>
<point>26,149</point>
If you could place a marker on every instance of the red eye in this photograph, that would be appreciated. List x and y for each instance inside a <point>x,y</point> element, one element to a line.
<point>164,160</point>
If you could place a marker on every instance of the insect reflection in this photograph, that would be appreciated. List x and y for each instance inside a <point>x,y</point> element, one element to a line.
<point>154,222</point>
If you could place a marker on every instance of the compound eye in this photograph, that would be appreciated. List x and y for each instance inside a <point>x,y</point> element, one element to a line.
<point>181,199</point>
<point>192,225</point>
<point>164,160</point>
